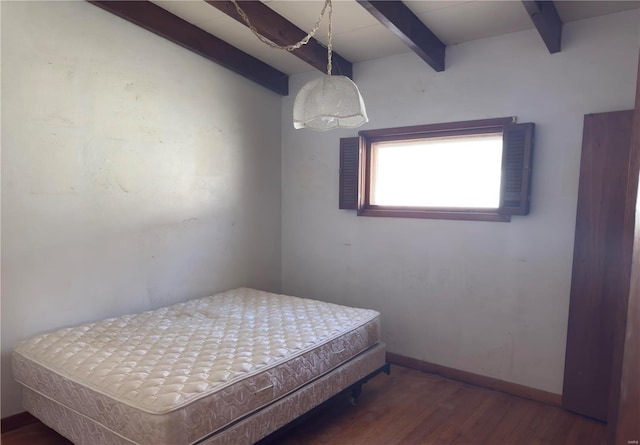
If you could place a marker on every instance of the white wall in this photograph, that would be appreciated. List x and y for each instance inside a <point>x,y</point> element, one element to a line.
<point>135,174</point>
<point>485,297</point>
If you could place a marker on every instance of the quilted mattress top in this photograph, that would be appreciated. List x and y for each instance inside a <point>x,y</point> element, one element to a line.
<point>161,360</point>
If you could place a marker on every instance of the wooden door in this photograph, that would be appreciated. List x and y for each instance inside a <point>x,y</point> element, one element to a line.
<point>601,263</point>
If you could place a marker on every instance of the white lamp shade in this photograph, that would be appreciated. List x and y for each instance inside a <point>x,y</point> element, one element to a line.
<point>327,103</point>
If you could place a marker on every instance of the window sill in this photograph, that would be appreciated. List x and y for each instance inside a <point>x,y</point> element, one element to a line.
<point>412,212</point>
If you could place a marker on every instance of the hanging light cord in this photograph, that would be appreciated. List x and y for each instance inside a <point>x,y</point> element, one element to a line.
<point>329,45</point>
<point>304,41</point>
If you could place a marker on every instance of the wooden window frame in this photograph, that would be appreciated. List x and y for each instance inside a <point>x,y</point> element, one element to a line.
<point>512,202</point>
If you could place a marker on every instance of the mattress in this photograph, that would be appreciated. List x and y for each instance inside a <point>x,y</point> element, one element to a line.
<point>180,374</point>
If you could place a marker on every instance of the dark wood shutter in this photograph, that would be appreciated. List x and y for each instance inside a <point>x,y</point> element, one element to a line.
<point>349,151</point>
<point>516,168</point>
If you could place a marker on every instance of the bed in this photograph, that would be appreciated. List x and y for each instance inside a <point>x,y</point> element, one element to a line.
<point>227,369</point>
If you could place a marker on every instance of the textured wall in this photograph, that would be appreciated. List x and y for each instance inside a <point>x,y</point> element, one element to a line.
<point>485,297</point>
<point>135,174</point>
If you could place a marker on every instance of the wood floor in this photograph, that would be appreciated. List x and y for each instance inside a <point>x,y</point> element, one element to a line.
<point>413,408</point>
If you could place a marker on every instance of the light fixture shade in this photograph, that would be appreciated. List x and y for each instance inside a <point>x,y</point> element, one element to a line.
<point>327,103</point>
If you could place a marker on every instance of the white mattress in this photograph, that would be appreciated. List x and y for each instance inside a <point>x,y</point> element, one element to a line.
<point>178,374</point>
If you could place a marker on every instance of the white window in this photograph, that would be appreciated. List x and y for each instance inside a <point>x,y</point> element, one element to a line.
<point>440,172</point>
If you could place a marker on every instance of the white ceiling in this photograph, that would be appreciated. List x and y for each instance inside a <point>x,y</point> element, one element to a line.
<point>358,36</point>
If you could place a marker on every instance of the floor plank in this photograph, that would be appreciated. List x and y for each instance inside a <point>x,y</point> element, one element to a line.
<point>416,408</point>
<point>33,434</point>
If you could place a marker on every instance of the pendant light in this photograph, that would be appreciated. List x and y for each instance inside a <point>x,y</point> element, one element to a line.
<point>326,103</point>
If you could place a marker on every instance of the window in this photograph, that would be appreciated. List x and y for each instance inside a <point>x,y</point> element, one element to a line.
<point>429,172</point>
<point>464,170</point>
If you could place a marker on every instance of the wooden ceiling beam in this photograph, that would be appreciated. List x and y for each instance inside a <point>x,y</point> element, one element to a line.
<point>161,22</point>
<point>545,17</point>
<point>400,20</point>
<point>279,30</point>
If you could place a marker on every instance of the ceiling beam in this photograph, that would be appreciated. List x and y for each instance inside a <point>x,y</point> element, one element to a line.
<point>281,31</point>
<point>161,22</point>
<point>545,17</point>
<point>400,20</point>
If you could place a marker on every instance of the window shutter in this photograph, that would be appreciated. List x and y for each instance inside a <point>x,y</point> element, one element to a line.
<point>349,151</point>
<point>516,168</point>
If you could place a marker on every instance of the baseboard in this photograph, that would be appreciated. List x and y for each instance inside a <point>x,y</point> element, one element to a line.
<point>479,380</point>
<point>16,421</point>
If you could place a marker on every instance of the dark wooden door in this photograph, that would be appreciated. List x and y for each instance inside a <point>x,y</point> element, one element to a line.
<point>600,279</point>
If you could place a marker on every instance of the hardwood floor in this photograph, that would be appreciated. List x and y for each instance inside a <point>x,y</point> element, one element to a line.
<point>414,408</point>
